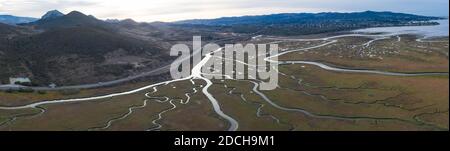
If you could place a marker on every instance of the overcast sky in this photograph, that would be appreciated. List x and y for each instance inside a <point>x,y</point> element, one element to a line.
<point>171,10</point>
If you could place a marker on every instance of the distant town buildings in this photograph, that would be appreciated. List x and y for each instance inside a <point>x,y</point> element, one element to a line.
<point>19,80</point>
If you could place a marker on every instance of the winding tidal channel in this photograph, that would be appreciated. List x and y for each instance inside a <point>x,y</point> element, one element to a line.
<point>197,74</point>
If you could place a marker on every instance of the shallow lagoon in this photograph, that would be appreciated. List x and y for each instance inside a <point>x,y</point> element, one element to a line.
<point>427,31</point>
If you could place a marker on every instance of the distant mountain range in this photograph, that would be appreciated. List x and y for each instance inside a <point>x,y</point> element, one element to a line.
<point>53,20</point>
<point>12,20</point>
<point>310,18</point>
<point>310,23</point>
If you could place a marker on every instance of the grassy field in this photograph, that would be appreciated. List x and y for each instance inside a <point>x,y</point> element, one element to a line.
<point>95,115</point>
<point>275,119</point>
<point>197,114</point>
<point>7,116</point>
<point>231,95</point>
<point>78,116</point>
<point>17,98</point>
<point>364,95</point>
<point>406,55</point>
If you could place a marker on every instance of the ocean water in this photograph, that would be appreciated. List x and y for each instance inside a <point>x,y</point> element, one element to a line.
<point>426,31</point>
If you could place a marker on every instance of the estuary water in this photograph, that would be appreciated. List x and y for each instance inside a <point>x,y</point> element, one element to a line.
<point>426,31</point>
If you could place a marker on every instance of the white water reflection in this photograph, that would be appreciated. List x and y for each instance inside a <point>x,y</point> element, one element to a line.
<point>427,31</point>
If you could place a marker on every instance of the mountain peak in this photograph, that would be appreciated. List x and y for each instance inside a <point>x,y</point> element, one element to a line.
<point>72,19</point>
<point>75,13</point>
<point>129,21</point>
<point>52,14</point>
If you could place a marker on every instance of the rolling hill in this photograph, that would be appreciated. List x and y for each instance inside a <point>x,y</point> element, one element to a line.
<point>72,19</point>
